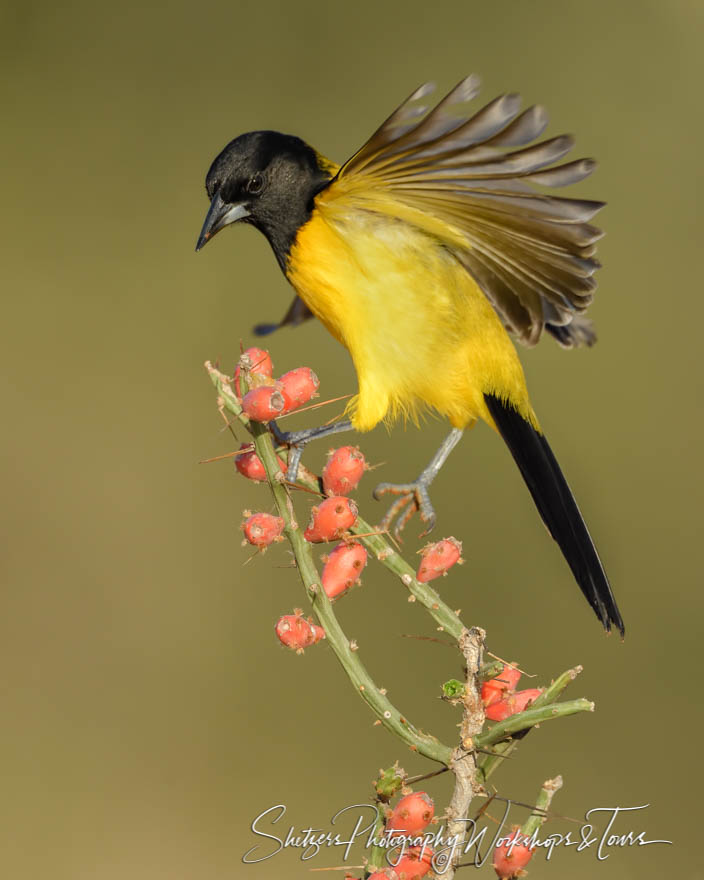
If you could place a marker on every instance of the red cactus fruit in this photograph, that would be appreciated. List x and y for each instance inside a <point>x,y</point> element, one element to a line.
<point>250,465</point>
<point>512,705</point>
<point>343,568</point>
<point>415,864</point>
<point>298,387</point>
<point>343,471</point>
<point>264,403</point>
<point>261,529</point>
<point>510,858</point>
<point>496,689</point>
<point>412,813</point>
<point>438,558</point>
<point>256,362</point>
<point>297,633</point>
<point>331,519</point>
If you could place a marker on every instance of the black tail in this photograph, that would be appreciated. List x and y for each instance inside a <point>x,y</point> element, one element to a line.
<point>557,507</point>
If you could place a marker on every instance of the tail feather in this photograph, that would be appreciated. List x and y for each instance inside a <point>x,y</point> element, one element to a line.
<point>557,507</point>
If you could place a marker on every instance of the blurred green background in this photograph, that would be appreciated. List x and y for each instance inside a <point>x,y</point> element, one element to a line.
<point>148,711</point>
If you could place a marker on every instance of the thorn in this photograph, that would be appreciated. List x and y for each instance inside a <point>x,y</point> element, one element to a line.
<point>515,665</point>
<point>227,455</point>
<point>291,485</point>
<point>315,406</point>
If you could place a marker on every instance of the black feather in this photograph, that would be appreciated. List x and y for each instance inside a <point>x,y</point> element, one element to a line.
<point>557,507</point>
<point>297,313</point>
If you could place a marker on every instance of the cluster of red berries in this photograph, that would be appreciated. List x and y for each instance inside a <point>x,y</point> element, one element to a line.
<point>334,516</point>
<point>269,397</point>
<point>330,520</point>
<point>500,697</point>
<point>412,815</point>
<point>343,567</point>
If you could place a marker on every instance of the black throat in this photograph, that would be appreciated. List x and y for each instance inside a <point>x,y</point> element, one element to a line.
<point>291,210</point>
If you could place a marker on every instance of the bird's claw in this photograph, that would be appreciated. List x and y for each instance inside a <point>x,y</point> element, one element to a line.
<point>295,453</point>
<point>414,497</point>
<point>296,442</point>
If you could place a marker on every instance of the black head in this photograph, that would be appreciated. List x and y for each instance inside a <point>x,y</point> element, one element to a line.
<point>267,179</point>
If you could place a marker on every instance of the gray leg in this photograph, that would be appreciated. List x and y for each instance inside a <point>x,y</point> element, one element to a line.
<point>297,440</point>
<point>415,494</point>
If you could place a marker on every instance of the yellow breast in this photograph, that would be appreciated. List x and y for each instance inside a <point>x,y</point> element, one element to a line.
<point>420,331</point>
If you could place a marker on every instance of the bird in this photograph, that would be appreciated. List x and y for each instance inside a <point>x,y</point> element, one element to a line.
<point>426,254</point>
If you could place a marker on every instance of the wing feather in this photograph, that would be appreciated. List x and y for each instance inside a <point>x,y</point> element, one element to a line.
<point>531,253</point>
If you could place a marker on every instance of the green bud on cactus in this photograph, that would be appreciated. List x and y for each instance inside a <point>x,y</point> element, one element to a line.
<point>453,689</point>
<point>389,782</point>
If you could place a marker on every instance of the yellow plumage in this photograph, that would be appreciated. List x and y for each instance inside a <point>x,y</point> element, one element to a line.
<point>420,331</point>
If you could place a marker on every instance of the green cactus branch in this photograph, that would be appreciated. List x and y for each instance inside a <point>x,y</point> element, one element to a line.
<point>377,855</point>
<point>389,716</point>
<point>480,751</point>
<point>529,718</point>
<point>488,764</point>
<point>542,804</point>
<point>448,620</point>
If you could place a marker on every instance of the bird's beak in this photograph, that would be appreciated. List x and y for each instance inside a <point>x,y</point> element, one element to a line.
<point>219,215</point>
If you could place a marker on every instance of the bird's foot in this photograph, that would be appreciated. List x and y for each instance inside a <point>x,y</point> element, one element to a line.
<point>414,497</point>
<point>298,440</point>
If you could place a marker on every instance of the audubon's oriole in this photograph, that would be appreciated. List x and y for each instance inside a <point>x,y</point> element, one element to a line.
<point>421,254</point>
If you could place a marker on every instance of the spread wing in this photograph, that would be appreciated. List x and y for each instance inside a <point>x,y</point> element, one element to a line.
<point>532,254</point>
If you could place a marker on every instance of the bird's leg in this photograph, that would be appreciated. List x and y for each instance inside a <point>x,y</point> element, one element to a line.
<point>415,494</point>
<point>297,441</point>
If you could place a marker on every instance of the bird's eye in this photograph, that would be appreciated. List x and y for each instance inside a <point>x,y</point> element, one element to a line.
<point>255,184</point>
